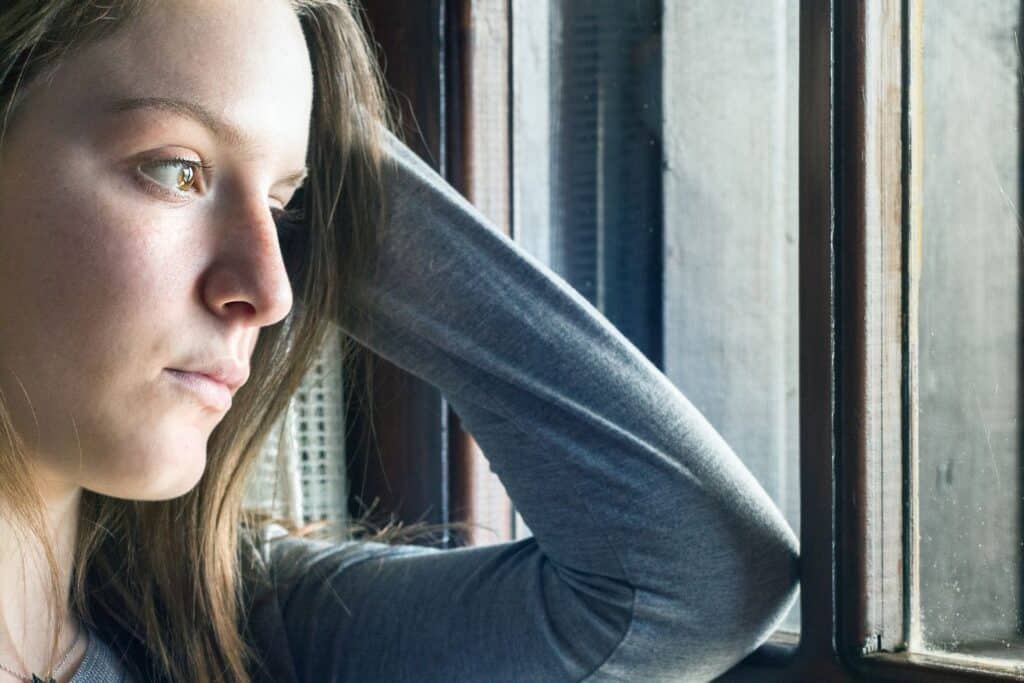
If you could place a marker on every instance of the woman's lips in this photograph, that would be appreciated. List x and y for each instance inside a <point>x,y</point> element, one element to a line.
<point>211,392</point>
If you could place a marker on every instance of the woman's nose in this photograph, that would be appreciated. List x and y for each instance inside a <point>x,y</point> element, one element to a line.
<point>247,278</point>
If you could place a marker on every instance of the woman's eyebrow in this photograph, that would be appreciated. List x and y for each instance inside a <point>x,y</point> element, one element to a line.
<point>225,131</point>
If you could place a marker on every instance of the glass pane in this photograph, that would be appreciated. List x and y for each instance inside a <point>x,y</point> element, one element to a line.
<point>967,597</point>
<point>655,169</point>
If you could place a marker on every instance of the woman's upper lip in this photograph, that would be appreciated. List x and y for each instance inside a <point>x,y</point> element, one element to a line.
<point>231,374</point>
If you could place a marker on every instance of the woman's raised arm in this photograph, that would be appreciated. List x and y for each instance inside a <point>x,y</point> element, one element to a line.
<point>656,555</point>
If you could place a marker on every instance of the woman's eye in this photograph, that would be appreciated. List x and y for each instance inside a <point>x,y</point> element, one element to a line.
<point>179,175</point>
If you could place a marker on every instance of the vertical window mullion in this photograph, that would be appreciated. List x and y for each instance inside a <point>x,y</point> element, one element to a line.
<point>483,175</point>
<point>869,202</point>
<point>397,464</point>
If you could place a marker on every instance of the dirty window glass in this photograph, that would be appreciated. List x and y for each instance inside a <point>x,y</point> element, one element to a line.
<point>968,592</point>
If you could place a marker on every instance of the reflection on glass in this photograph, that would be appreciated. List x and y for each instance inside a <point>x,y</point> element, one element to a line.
<point>969,351</point>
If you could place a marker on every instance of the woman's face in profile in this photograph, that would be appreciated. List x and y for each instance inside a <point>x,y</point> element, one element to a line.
<point>118,262</point>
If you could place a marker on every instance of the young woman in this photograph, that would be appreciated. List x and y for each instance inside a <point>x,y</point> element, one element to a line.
<point>152,227</point>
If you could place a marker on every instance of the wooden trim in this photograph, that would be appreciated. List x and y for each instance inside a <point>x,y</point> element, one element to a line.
<point>884,579</point>
<point>913,125</point>
<point>481,171</point>
<point>870,285</point>
<point>907,666</point>
<point>458,78</point>
<point>446,62</point>
<point>878,270</point>
<point>399,466</point>
<point>816,658</point>
<point>853,397</point>
<point>904,665</point>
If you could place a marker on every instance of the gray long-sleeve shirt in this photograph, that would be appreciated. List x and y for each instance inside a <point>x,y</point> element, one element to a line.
<point>655,556</point>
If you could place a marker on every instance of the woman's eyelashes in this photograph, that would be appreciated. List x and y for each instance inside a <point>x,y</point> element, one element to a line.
<point>177,178</point>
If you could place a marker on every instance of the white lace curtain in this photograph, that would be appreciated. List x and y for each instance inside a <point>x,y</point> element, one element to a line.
<point>307,481</point>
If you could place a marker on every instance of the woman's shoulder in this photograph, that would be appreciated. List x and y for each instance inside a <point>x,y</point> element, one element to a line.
<point>288,558</point>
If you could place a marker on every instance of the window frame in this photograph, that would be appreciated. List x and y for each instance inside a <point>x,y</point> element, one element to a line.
<point>860,222</point>
<point>412,461</point>
<point>878,195</point>
<point>399,469</point>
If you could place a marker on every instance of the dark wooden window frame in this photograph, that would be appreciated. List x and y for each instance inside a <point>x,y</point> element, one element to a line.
<point>400,470</point>
<point>859,208</point>
<point>860,215</point>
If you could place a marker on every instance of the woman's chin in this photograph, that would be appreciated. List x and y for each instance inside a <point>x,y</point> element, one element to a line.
<point>156,474</point>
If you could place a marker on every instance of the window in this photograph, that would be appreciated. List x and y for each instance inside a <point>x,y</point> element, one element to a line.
<point>807,214</point>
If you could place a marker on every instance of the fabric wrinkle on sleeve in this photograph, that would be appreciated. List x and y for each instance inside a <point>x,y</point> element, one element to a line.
<point>656,554</point>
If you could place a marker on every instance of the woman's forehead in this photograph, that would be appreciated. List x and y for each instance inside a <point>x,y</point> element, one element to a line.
<point>245,74</point>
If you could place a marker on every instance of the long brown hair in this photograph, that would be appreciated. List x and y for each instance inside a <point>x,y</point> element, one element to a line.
<point>166,576</point>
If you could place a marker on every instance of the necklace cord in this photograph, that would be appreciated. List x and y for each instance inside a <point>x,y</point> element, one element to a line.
<point>35,677</point>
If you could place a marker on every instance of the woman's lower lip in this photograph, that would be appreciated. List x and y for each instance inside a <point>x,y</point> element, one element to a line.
<point>209,391</point>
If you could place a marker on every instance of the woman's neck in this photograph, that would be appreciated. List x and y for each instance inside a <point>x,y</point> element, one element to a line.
<point>25,607</point>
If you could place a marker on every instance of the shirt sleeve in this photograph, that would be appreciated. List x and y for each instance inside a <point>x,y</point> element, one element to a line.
<point>655,554</point>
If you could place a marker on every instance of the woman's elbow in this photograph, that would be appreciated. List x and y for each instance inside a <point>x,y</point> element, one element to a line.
<point>757,584</point>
